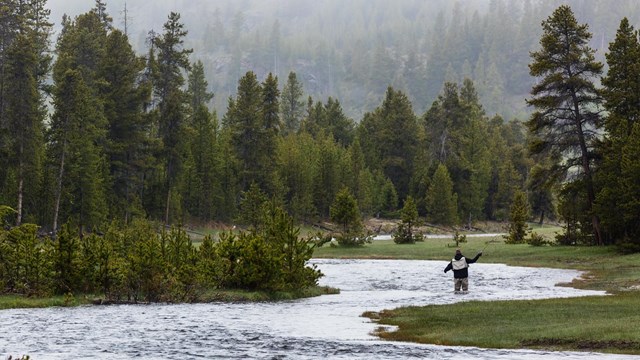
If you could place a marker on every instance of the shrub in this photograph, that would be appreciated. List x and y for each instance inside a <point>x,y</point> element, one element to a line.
<point>518,216</point>
<point>459,239</point>
<point>536,239</point>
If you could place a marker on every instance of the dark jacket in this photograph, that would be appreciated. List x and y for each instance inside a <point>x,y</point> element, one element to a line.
<point>461,273</point>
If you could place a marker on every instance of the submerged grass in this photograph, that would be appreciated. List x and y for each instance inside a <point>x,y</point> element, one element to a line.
<point>245,295</point>
<point>595,323</point>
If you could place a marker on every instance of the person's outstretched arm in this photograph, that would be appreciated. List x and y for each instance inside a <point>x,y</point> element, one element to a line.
<point>471,261</point>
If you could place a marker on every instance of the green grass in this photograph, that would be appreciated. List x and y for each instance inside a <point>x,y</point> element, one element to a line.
<point>605,268</point>
<point>17,301</point>
<point>597,323</point>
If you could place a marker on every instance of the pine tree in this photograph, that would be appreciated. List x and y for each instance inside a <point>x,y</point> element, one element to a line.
<point>441,201</point>
<point>473,152</point>
<point>291,105</point>
<point>204,147</point>
<point>443,123</point>
<point>630,205</point>
<point>253,205</point>
<point>621,94</point>
<point>327,182</point>
<point>408,216</point>
<point>10,22</point>
<point>345,212</point>
<point>390,137</point>
<point>315,118</point>
<point>78,127</point>
<point>389,199</point>
<point>245,122</point>
<point>269,133</point>
<point>172,61</point>
<point>79,187</point>
<point>24,120</point>
<point>25,63</point>
<point>566,120</point>
<point>508,183</point>
<point>457,131</point>
<point>198,91</point>
<point>518,217</point>
<point>297,165</point>
<point>128,141</point>
<point>337,123</point>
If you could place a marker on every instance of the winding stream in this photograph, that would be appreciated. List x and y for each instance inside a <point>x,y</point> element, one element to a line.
<point>328,326</point>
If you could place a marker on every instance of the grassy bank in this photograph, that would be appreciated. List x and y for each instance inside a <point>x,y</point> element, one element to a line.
<point>605,268</point>
<point>603,324</point>
<point>17,301</point>
<point>599,323</point>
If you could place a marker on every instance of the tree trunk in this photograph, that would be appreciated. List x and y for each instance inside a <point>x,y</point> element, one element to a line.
<point>166,210</point>
<point>19,209</point>
<point>56,209</point>
<point>20,186</point>
<point>591,197</point>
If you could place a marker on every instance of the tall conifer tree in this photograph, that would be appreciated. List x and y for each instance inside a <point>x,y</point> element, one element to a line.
<point>566,119</point>
<point>622,95</point>
<point>171,63</point>
<point>25,65</point>
<point>128,140</point>
<point>441,201</point>
<point>270,132</point>
<point>204,147</point>
<point>78,128</point>
<point>245,122</point>
<point>390,138</point>
<point>291,105</point>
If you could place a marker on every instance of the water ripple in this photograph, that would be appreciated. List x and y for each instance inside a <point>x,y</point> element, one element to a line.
<point>328,326</point>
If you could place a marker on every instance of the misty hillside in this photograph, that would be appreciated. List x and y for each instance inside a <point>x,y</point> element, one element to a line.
<point>352,50</point>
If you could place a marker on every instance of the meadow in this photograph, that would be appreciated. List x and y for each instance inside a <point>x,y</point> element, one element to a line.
<point>594,323</point>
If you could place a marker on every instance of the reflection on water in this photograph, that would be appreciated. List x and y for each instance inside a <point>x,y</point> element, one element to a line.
<point>326,326</point>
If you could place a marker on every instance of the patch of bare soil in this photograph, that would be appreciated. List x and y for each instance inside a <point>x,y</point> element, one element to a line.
<point>388,226</point>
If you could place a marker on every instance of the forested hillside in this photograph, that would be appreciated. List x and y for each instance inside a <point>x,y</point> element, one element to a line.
<point>96,131</point>
<point>352,50</point>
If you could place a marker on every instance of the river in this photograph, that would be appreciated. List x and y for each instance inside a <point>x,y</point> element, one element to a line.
<point>328,326</point>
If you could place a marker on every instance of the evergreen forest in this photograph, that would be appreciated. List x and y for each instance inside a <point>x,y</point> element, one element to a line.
<point>353,50</point>
<point>96,135</point>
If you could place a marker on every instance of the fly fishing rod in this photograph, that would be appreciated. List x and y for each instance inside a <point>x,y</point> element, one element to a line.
<point>486,244</point>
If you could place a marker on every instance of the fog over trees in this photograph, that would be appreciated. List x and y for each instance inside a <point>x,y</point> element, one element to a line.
<point>353,50</point>
<point>219,112</point>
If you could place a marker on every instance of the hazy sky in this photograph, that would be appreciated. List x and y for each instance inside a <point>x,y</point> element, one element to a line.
<point>115,8</point>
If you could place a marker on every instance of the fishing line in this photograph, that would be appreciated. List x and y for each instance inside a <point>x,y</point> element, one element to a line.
<point>485,245</point>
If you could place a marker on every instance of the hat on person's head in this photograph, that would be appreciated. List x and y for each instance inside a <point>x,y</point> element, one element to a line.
<point>458,251</point>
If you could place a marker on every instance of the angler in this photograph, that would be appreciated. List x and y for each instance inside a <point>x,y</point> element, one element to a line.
<point>460,265</point>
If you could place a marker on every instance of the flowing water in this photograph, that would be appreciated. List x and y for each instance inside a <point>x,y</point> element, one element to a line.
<point>328,326</point>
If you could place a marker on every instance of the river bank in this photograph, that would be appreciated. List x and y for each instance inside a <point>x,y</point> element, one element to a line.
<point>24,302</point>
<point>309,328</point>
<point>606,324</point>
<point>582,324</point>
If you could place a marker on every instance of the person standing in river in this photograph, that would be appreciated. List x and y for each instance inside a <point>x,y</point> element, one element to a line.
<point>460,265</point>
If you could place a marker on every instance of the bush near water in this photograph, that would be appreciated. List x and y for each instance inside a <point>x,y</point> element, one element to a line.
<point>136,263</point>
